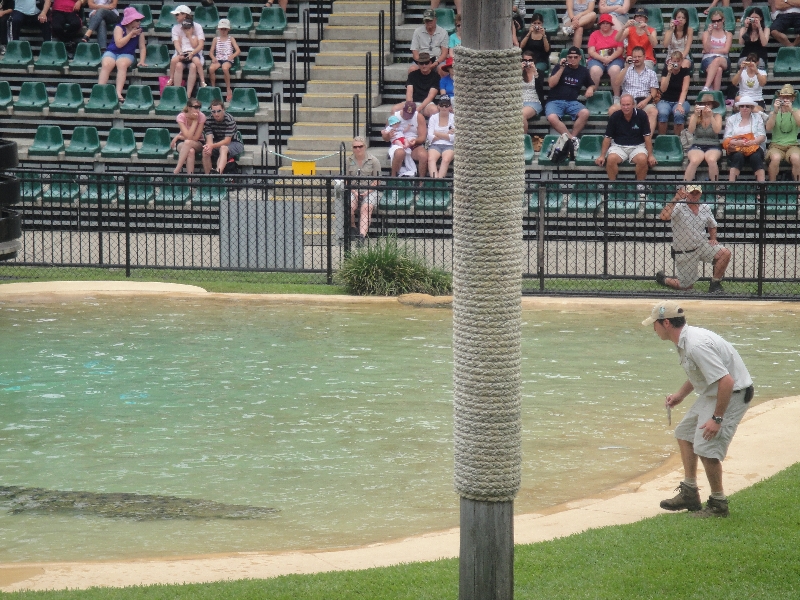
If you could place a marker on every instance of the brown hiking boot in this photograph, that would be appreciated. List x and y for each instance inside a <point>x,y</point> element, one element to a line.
<point>688,497</point>
<point>714,508</point>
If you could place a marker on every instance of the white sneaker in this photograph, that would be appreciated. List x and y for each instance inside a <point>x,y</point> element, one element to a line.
<point>616,100</point>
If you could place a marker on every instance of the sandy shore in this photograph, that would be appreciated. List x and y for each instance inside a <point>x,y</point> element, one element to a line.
<point>764,444</point>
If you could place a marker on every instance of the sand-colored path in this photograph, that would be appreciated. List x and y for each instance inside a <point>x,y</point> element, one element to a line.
<point>765,443</point>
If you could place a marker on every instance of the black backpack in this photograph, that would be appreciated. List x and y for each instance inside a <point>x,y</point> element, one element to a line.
<point>561,150</point>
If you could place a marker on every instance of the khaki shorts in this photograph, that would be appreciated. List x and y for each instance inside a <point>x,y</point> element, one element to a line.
<point>700,412</point>
<point>369,197</point>
<point>686,264</point>
<point>627,152</point>
<point>785,150</point>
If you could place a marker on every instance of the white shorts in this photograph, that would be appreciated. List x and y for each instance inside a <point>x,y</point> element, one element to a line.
<point>627,152</point>
<point>700,412</point>
<point>369,197</point>
<point>686,265</point>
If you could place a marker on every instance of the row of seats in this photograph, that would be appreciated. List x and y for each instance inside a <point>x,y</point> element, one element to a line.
<point>53,56</point>
<point>138,101</point>
<point>666,148</point>
<point>85,143</point>
<point>271,22</point>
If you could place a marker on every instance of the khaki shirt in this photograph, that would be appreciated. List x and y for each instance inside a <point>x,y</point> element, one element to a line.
<point>707,358</point>
<point>370,168</point>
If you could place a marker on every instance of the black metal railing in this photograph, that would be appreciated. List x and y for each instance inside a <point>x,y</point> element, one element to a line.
<point>368,93</point>
<point>381,51</point>
<point>293,90</point>
<point>392,27</point>
<point>356,116</point>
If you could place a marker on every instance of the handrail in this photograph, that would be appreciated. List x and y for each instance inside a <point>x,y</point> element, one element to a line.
<point>381,58</point>
<point>278,120</point>
<point>368,103</point>
<point>392,27</point>
<point>342,155</point>
<point>320,20</point>
<point>294,84</point>
<point>306,44</point>
<point>356,116</point>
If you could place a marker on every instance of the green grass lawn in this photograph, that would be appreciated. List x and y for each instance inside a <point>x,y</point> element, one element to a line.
<point>754,554</point>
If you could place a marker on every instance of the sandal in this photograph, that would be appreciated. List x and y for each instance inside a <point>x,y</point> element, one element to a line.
<point>169,82</point>
<point>85,40</point>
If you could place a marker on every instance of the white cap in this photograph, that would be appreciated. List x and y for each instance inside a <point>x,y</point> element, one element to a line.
<point>182,9</point>
<point>224,24</point>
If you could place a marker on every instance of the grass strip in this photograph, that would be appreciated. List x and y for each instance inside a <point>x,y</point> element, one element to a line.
<point>754,554</point>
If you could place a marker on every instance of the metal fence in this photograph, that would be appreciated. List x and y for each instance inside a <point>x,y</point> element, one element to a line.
<point>580,236</point>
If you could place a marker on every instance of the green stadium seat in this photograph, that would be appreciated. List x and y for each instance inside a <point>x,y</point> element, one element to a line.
<point>138,101</point>
<point>6,99</point>
<point>623,199</point>
<point>119,144</point>
<point>207,17</point>
<point>588,150</point>
<point>85,142</point>
<point>556,198</point>
<point>32,96</point>
<point>47,142</point>
<point>655,19</point>
<point>584,201</point>
<point>147,22</point>
<point>668,150</point>
<point>694,21</point>
<point>719,97</point>
<point>141,190</point>
<point>53,55</point>
<point>87,57</point>
<point>173,192</point>
<point>209,195</point>
<point>598,105</point>
<point>30,190</point>
<point>434,195</point>
<point>157,59</point>
<point>165,17</point>
<point>730,18</point>
<point>446,19</point>
<point>656,200</point>
<point>206,95</point>
<point>399,196</point>
<point>244,102</point>
<point>272,21</point>
<point>61,191</point>
<point>103,99</point>
<point>781,199</point>
<point>103,189</point>
<point>155,143</point>
<point>68,98</point>
<point>549,19</point>
<point>529,151</point>
<point>764,11</point>
<point>741,203</point>
<point>563,54</point>
<point>548,139</point>
<point>787,62</point>
<point>552,204</point>
<point>18,56</point>
<point>241,18</point>
<point>259,61</point>
<point>173,100</point>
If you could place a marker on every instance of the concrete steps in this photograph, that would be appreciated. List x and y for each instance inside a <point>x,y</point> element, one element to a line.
<point>344,73</point>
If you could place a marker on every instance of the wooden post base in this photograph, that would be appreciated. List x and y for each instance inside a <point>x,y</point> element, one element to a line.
<point>486,564</point>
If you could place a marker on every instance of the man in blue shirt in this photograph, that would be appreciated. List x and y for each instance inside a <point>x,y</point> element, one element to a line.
<point>566,81</point>
<point>26,15</point>
<point>627,138</point>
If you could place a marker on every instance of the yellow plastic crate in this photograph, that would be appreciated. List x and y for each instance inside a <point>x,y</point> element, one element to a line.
<point>304,167</point>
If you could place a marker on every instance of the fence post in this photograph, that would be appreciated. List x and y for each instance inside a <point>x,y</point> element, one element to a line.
<point>127,227</point>
<point>540,228</point>
<point>99,220</point>
<point>329,240</point>
<point>762,218</point>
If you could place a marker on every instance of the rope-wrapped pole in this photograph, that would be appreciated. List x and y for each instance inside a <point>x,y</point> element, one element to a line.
<point>487,277</point>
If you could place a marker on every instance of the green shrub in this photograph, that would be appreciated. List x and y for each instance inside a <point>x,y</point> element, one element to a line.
<point>385,269</point>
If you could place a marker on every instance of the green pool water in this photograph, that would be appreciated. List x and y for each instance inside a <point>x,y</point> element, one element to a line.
<point>338,416</point>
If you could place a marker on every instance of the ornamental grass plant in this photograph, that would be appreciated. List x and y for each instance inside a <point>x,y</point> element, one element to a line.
<point>386,269</point>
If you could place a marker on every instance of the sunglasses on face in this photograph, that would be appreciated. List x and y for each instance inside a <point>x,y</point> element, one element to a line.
<point>215,112</point>
<point>357,147</point>
<point>716,20</point>
<point>194,106</point>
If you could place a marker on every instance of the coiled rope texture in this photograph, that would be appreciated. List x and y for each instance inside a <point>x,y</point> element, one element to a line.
<point>487,273</point>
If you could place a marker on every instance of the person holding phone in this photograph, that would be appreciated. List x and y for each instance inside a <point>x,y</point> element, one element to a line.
<point>716,47</point>
<point>641,83</point>
<point>640,35</point>
<point>705,126</point>
<point>674,86</point>
<point>751,81</point>
<point>679,37</point>
<point>784,124</point>
<point>128,35</point>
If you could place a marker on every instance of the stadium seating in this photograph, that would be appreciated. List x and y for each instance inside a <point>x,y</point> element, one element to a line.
<point>6,99</point>
<point>68,98</point>
<point>787,62</point>
<point>120,143</point>
<point>103,188</point>
<point>141,190</point>
<point>206,95</point>
<point>165,17</point>
<point>446,19</point>
<point>668,150</point>
<point>588,150</point>
<point>138,101</point>
<point>62,191</point>
<point>244,102</point>
<point>32,97</point>
<point>155,144</point>
<point>177,193</point>
<point>259,61</point>
<point>781,199</point>
<point>144,9</point>
<point>654,19</point>
<point>529,152</point>
<point>209,195</point>
<point>548,139</point>
<point>173,100</point>
<point>87,57</point>
<point>103,99</point>
<point>207,17</point>
<point>84,143</point>
<point>549,20</point>
<point>434,196</point>
<point>53,55</point>
<point>241,18</point>
<point>598,104</point>
<point>157,59</point>
<point>272,21</point>
<point>399,198</point>
<point>48,141</point>
<point>18,56</point>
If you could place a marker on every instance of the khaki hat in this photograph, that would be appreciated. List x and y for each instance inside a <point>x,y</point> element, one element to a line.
<point>708,98</point>
<point>429,15</point>
<point>787,90</point>
<point>666,309</point>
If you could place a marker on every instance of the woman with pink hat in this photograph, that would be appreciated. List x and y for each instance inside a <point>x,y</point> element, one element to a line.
<point>128,35</point>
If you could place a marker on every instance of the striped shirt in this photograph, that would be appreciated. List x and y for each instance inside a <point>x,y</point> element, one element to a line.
<point>224,49</point>
<point>221,129</point>
<point>638,84</point>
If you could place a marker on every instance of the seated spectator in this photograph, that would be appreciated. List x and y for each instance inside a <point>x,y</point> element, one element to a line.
<point>408,124</point>
<point>618,9</point>
<point>446,84</point>
<point>784,123</point>
<point>751,81</point>
<point>456,3</point>
<point>189,142</point>
<point>679,36</point>
<point>531,106</point>
<point>224,51</point>
<point>188,45</point>
<point>430,39</point>
<point>744,141</point>
<point>441,137</point>
<point>104,14</point>
<point>605,55</point>
<point>537,42</point>
<point>6,8</point>
<point>754,37</point>
<point>25,14</point>
<point>580,15</point>
<point>674,87</point>
<point>716,46</point>
<point>628,138</point>
<point>422,86</point>
<point>65,23</point>
<point>640,35</point>
<point>455,37</point>
<point>641,83</point>
<point>282,3</point>
<point>566,81</point>
<point>120,54</point>
<point>363,194</point>
<point>787,17</point>
<point>705,125</point>
<point>223,140</point>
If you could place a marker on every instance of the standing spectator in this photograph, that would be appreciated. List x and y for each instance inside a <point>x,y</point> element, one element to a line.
<point>422,86</point>
<point>224,51</point>
<point>716,46</point>
<point>580,15</point>
<point>430,39</point>
<point>223,140</point>
<point>26,14</point>
<point>751,81</point>
<point>618,9</point>
<point>364,193</point>
<point>674,87</point>
<point>455,37</point>
<point>6,8</point>
<point>784,123</point>
<point>679,37</point>
<point>531,106</point>
<point>566,81</point>
<point>605,55</point>
<point>787,18</point>
<point>640,35</point>
<point>446,83</point>
<point>441,137</point>
<point>189,142</point>
<point>754,37</point>
<point>104,15</point>
<point>456,3</point>
<point>128,35</point>
<point>65,23</point>
<point>744,141</point>
<point>185,50</point>
<point>628,138</point>
<point>409,125</point>
<point>537,42</point>
<point>641,83</point>
<point>705,125</point>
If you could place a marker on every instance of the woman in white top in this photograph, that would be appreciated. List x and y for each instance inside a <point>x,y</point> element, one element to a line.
<point>742,131</point>
<point>716,46</point>
<point>441,137</point>
<point>679,37</point>
<point>104,14</point>
<point>751,80</point>
<point>531,105</point>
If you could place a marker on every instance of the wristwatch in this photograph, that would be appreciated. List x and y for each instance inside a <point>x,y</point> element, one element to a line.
<point>716,419</point>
